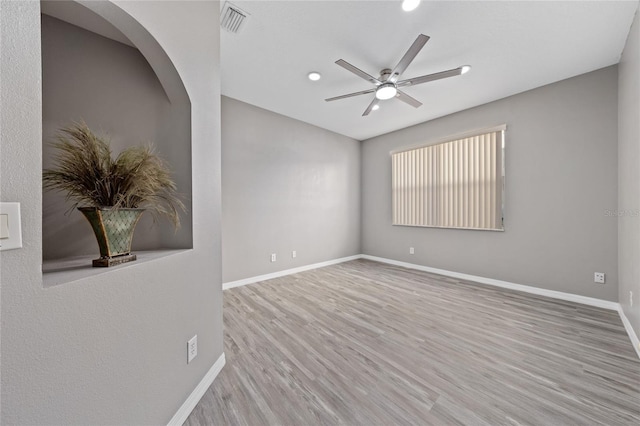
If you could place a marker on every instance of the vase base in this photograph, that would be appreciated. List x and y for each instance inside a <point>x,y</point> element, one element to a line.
<point>113,261</point>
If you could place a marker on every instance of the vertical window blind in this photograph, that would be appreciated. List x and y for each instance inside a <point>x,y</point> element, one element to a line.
<point>455,184</point>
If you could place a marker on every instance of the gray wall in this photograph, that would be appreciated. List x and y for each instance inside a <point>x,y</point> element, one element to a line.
<point>286,185</point>
<point>629,175</point>
<point>109,349</point>
<point>561,162</point>
<point>113,89</point>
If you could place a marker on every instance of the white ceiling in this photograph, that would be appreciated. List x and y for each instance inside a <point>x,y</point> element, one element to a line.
<point>512,47</point>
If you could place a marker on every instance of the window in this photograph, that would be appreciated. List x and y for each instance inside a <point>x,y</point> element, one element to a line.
<point>454,184</point>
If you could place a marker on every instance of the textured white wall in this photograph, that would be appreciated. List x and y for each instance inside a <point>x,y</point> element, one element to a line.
<point>561,162</point>
<point>20,171</point>
<point>629,175</point>
<point>109,349</point>
<point>286,185</point>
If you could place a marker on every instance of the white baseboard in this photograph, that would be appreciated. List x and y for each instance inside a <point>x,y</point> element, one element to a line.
<point>504,284</point>
<point>251,280</point>
<point>591,301</point>
<point>183,412</point>
<point>632,334</point>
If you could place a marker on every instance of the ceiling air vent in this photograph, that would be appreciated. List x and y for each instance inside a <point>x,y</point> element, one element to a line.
<point>233,18</point>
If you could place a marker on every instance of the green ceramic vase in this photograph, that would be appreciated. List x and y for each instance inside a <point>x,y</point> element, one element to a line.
<point>113,228</point>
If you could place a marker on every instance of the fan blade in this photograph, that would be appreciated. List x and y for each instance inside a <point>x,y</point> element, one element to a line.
<point>364,92</point>
<point>408,57</point>
<point>429,77</point>
<point>370,107</point>
<point>408,99</point>
<point>357,71</point>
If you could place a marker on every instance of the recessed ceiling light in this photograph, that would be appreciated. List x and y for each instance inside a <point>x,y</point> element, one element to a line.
<point>375,107</point>
<point>465,69</point>
<point>314,76</point>
<point>409,5</point>
<point>386,91</point>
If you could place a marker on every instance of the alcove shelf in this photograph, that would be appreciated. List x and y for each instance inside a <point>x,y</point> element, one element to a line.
<point>68,270</point>
<point>94,74</point>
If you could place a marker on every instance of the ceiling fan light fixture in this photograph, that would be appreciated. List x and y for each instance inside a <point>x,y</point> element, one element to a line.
<point>314,76</point>
<point>375,107</point>
<point>409,5</point>
<point>389,81</point>
<point>386,91</point>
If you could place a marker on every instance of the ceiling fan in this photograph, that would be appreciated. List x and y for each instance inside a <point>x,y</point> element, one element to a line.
<point>388,86</point>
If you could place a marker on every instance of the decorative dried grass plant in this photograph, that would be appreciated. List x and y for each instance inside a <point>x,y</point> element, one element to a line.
<point>86,170</point>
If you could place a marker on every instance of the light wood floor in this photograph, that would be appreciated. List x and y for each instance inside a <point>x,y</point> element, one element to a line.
<point>363,343</point>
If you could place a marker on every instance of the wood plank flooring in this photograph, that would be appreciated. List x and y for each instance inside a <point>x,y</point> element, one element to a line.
<point>364,343</point>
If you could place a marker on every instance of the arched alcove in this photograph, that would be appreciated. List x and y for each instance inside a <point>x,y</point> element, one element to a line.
<point>103,67</point>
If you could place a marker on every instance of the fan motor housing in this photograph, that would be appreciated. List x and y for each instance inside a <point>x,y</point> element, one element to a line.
<point>385,74</point>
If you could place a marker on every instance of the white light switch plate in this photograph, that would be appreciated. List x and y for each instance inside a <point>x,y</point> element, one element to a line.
<point>11,236</point>
<point>4,226</point>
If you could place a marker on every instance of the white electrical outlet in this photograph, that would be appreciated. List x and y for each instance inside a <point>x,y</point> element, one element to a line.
<point>630,298</point>
<point>192,348</point>
<point>412,250</point>
<point>598,277</point>
<point>273,257</point>
<point>293,254</point>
